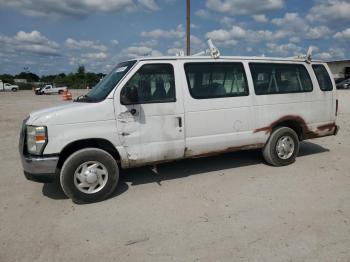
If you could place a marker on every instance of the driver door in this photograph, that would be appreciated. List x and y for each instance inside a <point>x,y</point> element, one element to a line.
<point>150,127</point>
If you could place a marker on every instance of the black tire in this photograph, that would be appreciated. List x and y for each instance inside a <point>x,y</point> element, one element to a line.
<point>60,92</point>
<point>74,161</point>
<point>14,89</point>
<point>270,149</point>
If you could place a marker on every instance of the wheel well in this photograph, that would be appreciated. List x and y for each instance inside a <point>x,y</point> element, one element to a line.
<point>80,144</point>
<point>296,126</point>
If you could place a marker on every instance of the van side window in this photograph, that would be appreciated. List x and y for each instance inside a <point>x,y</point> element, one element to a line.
<point>323,79</point>
<point>271,78</point>
<point>155,83</point>
<point>214,80</point>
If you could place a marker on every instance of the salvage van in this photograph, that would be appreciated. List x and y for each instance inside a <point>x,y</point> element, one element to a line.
<point>157,109</point>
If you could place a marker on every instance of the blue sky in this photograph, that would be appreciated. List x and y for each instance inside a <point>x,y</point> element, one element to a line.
<point>50,36</point>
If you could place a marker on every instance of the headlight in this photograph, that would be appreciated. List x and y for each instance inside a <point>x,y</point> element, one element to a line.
<point>36,139</point>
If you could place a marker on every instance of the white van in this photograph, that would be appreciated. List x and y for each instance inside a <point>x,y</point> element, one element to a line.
<point>152,110</point>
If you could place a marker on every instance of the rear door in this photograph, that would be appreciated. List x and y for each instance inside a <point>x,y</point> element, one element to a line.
<point>325,95</point>
<point>151,130</point>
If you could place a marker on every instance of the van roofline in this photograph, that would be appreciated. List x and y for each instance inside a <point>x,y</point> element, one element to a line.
<point>257,58</point>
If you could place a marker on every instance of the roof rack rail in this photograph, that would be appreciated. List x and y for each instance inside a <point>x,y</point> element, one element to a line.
<point>213,50</point>
<point>308,57</point>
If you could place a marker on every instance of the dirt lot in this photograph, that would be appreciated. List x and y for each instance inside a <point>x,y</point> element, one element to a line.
<point>226,208</point>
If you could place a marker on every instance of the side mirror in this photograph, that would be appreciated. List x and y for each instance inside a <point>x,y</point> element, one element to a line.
<point>129,95</point>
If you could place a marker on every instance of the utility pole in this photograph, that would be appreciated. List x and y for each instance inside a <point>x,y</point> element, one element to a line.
<point>188,28</point>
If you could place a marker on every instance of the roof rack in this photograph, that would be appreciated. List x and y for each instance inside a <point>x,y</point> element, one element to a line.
<point>213,50</point>
<point>308,57</point>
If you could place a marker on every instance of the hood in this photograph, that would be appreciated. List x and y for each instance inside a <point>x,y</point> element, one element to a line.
<point>73,113</point>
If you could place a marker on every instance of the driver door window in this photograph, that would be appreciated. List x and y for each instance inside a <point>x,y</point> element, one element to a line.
<point>154,83</point>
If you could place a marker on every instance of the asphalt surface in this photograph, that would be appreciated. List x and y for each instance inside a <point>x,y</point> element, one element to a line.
<point>231,207</point>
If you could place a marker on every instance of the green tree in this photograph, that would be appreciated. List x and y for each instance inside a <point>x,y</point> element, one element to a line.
<point>6,78</point>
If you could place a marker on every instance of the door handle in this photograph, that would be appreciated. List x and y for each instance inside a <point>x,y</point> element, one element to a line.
<point>179,121</point>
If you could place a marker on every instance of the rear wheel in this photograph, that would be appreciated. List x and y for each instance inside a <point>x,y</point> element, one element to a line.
<point>282,147</point>
<point>89,175</point>
<point>60,92</point>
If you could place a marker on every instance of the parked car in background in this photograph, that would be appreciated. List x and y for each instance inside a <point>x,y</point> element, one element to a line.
<point>50,89</point>
<point>345,84</point>
<point>8,87</point>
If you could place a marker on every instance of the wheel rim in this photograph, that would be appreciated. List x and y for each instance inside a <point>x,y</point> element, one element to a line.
<point>90,177</point>
<point>285,147</point>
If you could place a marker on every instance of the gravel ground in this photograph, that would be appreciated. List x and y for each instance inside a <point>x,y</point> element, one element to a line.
<point>231,207</point>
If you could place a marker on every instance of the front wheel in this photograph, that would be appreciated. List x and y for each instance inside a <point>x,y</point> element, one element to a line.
<point>14,89</point>
<point>89,175</point>
<point>282,147</point>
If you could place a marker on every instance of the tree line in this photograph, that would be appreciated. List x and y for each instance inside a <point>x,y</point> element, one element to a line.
<point>77,80</point>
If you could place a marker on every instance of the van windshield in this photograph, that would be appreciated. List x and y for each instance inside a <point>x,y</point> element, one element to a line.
<point>100,91</point>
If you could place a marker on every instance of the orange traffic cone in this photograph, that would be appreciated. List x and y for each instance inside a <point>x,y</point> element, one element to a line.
<point>66,95</point>
<point>69,96</point>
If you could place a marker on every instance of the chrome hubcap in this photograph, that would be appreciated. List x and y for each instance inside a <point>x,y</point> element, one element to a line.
<point>90,177</point>
<point>285,147</point>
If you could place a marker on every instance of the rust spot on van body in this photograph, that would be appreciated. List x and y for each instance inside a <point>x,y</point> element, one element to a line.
<point>328,127</point>
<point>306,133</point>
<point>189,153</point>
<point>299,120</point>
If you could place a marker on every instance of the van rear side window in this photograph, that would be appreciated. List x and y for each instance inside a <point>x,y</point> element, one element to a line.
<point>273,78</point>
<point>215,80</point>
<point>323,79</point>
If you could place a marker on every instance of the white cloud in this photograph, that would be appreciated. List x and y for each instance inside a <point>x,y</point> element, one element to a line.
<point>317,32</point>
<point>294,39</point>
<point>174,51</point>
<point>149,4</point>
<point>243,7</point>
<point>293,24</point>
<point>33,42</point>
<point>95,56</point>
<point>115,42</point>
<point>330,10</point>
<point>325,56</point>
<point>291,21</point>
<point>331,54</point>
<point>194,26</point>
<point>231,36</point>
<point>223,35</point>
<point>345,34</point>
<point>75,8</point>
<point>227,21</point>
<point>202,13</point>
<point>138,51</point>
<point>84,44</point>
<point>160,33</point>
<point>260,18</point>
<point>284,50</point>
<point>148,42</point>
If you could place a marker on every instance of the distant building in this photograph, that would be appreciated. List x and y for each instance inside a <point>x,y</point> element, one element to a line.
<point>340,68</point>
<point>20,81</point>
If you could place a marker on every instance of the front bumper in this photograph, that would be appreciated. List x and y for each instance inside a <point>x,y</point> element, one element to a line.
<point>40,169</point>
<point>36,168</point>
